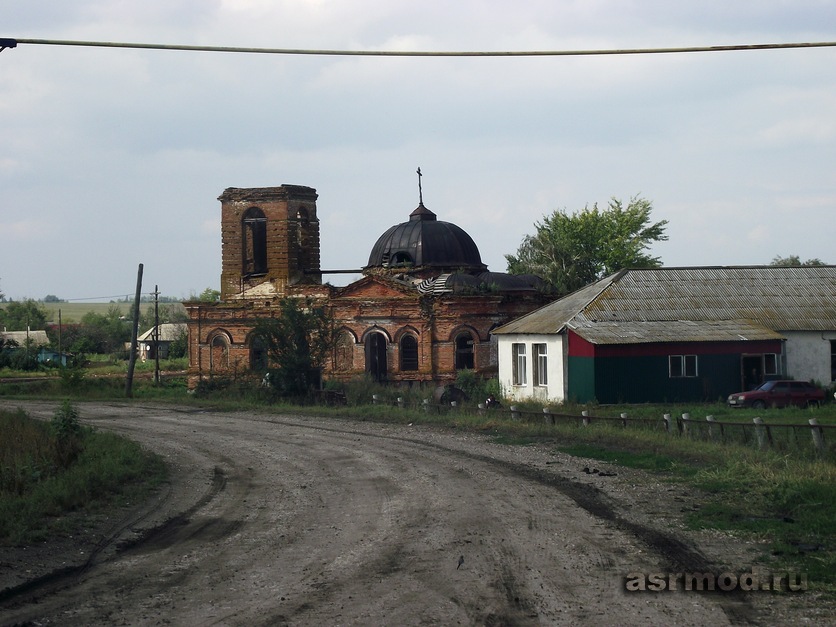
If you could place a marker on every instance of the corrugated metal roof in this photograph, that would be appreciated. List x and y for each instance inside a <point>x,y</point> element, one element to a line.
<point>669,331</point>
<point>169,331</point>
<point>776,298</point>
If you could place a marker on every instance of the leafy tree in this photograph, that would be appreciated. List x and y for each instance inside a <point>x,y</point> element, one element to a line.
<point>17,315</point>
<point>297,341</point>
<point>173,312</point>
<point>571,251</point>
<point>794,261</point>
<point>102,333</point>
<point>208,295</point>
<point>52,298</point>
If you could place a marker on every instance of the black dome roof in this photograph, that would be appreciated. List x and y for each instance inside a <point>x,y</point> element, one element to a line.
<point>425,241</point>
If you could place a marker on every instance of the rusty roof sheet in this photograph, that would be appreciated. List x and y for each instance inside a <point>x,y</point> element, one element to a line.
<point>776,298</point>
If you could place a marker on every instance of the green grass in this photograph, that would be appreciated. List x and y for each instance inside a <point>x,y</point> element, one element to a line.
<point>49,480</point>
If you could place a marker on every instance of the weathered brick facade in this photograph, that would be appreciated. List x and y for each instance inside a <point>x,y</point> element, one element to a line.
<point>391,325</point>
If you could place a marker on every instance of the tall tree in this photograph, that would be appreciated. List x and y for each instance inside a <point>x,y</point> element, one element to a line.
<point>794,261</point>
<point>297,341</point>
<point>17,315</point>
<point>571,251</point>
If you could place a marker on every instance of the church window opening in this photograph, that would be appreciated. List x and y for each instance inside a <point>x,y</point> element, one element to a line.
<point>401,259</point>
<point>219,354</point>
<point>464,351</point>
<point>258,354</point>
<point>344,352</point>
<point>254,248</point>
<point>409,353</point>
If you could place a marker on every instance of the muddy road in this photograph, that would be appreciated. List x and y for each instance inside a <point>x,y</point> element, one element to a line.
<point>273,520</point>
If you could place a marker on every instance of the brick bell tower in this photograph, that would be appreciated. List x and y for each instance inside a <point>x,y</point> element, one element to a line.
<point>270,240</point>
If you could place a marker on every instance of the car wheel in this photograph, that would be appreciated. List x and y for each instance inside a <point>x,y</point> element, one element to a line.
<point>758,404</point>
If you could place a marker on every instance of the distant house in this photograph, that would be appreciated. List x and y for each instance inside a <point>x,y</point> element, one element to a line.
<point>36,338</point>
<point>168,333</point>
<point>674,334</point>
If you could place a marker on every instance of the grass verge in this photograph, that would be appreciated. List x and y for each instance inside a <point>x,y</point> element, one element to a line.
<point>51,472</point>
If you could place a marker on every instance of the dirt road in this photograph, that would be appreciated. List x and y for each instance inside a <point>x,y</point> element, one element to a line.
<point>273,520</point>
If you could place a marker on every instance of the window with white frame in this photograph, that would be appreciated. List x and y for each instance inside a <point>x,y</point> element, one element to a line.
<point>518,354</point>
<point>770,363</point>
<point>539,362</point>
<point>682,366</point>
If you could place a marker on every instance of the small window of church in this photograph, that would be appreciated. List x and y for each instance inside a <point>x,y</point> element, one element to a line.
<point>464,351</point>
<point>409,353</point>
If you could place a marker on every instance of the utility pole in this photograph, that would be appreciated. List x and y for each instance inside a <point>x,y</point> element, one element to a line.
<point>129,383</point>
<point>156,334</point>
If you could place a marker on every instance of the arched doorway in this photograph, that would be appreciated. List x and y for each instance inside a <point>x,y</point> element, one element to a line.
<point>376,356</point>
<point>464,351</point>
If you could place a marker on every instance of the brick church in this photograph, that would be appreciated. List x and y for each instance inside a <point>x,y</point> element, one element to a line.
<point>423,309</point>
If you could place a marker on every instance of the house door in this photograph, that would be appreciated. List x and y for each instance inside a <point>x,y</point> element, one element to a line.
<point>376,356</point>
<point>752,371</point>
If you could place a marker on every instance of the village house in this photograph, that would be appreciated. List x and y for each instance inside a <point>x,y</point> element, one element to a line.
<point>158,339</point>
<point>673,335</point>
<point>425,307</point>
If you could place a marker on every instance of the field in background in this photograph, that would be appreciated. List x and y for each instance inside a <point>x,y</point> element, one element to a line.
<point>73,312</point>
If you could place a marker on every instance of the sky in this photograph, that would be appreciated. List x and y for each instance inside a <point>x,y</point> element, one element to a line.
<point>113,158</point>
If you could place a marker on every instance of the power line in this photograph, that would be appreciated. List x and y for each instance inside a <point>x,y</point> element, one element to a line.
<point>11,43</point>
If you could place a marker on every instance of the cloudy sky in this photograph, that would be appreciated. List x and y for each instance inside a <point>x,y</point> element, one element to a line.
<point>115,157</point>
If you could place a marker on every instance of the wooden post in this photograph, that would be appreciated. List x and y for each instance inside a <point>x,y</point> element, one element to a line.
<point>667,419</point>
<point>515,414</point>
<point>547,416</point>
<point>426,405</point>
<point>818,435</point>
<point>400,402</point>
<point>712,434</point>
<point>623,419</point>
<point>684,423</point>
<point>481,409</point>
<point>129,382</point>
<point>763,433</point>
<point>585,415</point>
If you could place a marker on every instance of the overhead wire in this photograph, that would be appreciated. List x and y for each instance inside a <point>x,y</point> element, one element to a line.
<point>424,53</point>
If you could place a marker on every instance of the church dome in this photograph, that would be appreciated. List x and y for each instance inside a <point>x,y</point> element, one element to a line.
<point>425,242</point>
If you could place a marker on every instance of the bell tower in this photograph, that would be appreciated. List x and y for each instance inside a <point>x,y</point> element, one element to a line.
<point>269,240</point>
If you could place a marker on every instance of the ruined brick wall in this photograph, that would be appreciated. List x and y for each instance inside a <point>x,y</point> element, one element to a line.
<point>291,240</point>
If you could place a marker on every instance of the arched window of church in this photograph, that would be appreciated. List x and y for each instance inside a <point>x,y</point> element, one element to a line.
<point>344,354</point>
<point>464,351</point>
<point>258,354</point>
<point>219,354</point>
<point>254,245</point>
<point>409,353</point>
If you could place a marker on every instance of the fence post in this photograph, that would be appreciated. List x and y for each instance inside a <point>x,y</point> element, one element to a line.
<point>685,418</point>
<point>818,435</point>
<point>375,399</point>
<point>712,434</point>
<point>547,416</point>
<point>426,404</point>
<point>667,419</point>
<point>481,409</point>
<point>763,433</point>
<point>453,405</point>
<point>515,414</point>
<point>623,419</point>
<point>400,402</point>
<point>585,415</point>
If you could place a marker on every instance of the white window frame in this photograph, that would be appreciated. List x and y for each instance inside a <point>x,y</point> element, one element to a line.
<point>540,364</point>
<point>683,366</point>
<point>518,354</point>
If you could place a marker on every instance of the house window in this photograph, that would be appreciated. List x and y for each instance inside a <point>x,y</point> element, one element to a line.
<point>254,249</point>
<point>770,363</point>
<point>833,360</point>
<point>409,353</point>
<point>682,366</point>
<point>539,362</point>
<point>518,354</point>
<point>464,351</point>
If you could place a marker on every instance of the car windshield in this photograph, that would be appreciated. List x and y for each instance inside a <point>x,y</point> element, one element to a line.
<point>768,385</point>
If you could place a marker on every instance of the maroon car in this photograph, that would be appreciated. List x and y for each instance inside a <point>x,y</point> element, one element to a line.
<point>779,394</point>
